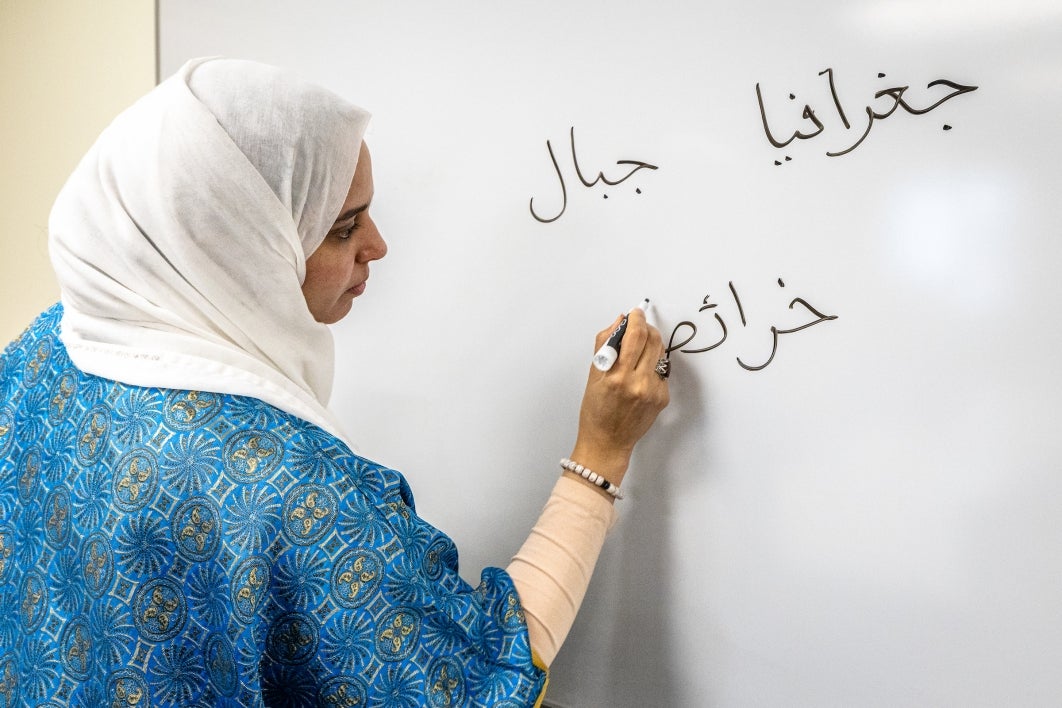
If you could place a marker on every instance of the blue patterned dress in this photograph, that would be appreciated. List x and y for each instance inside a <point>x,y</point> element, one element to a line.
<point>181,548</point>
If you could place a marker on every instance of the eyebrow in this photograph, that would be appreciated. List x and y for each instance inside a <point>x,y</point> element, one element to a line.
<point>352,213</point>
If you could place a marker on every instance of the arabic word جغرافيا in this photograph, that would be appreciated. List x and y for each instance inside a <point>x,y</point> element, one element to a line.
<point>895,93</point>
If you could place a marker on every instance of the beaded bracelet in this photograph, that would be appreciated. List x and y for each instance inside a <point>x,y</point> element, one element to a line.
<point>591,477</point>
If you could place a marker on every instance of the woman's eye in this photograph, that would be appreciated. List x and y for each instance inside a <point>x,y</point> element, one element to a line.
<point>346,231</point>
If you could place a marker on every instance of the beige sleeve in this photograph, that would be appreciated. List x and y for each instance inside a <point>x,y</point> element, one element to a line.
<point>552,569</point>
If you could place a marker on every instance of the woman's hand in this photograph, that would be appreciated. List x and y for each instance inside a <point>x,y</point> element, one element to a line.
<point>620,405</point>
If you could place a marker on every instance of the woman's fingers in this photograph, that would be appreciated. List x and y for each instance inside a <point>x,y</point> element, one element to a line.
<point>634,340</point>
<point>604,334</point>
<point>643,345</point>
<point>653,349</point>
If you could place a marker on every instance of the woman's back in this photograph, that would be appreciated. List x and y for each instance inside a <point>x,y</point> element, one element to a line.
<point>165,547</point>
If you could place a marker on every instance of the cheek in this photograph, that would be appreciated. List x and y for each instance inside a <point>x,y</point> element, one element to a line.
<point>316,277</point>
<point>322,290</point>
<point>327,272</point>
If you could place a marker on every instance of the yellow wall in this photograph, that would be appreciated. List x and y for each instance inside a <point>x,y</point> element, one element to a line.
<point>67,67</point>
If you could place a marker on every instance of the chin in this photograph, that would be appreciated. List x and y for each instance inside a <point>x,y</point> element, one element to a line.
<point>336,314</point>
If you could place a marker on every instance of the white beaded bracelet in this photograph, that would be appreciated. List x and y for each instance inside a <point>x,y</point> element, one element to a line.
<point>591,477</point>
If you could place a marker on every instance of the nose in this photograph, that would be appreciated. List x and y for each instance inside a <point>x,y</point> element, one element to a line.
<point>374,247</point>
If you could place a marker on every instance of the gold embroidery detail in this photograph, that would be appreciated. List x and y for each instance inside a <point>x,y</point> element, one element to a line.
<point>29,603</point>
<point>5,553</point>
<point>399,508</point>
<point>161,610</point>
<point>26,479</point>
<point>340,698</point>
<point>247,591</point>
<point>251,454</point>
<point>308,512</point>
<point>56,519</point>
<point>514,610</point>
<point>397,633</point>
<point>38,361</point>
<point>189,405</point>
<point>92,437</point>
<point>66,389</point>
<point>220,665</point>
<point>293,638</point>
<point>9,684</point>
<point>446,685</point>
<point>79,650</point>
<point>198,528</point>
<point>95,566</point>
<point>133,477</point>
<point>356,578</point>
<point>126,697</point>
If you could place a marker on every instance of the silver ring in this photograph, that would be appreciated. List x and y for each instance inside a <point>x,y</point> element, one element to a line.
<point>663,367</point>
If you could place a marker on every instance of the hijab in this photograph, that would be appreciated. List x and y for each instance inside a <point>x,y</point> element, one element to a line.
<point>180,240</point>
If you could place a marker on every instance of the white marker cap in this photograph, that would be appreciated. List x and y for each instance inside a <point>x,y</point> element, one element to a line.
<point>605,358</point>
<point>608,353</point>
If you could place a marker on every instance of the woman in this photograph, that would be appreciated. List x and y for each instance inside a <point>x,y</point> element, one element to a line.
<point>184,522</point>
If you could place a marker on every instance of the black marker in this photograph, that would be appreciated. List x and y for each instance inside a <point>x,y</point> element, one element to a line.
<point>606,356</point>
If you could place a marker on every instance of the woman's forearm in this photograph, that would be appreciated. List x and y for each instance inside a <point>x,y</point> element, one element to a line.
<point>552,569</point>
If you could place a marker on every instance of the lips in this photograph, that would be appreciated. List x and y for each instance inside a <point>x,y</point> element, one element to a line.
<point>357,289</point>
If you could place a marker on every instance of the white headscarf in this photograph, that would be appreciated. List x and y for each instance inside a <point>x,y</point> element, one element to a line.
<point>180,240</point>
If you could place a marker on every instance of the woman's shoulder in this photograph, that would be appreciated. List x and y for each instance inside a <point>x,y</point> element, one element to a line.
<point>43,331</point>
<point>254,430</point>
<point>252,440</point>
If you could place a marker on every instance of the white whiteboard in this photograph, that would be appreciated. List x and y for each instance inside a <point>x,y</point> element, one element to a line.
<point>871,520</point>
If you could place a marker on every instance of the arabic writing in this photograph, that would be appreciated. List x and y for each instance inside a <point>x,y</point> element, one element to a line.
<point>895,93</point>
<point>682,346</point>
<point>639,165</point>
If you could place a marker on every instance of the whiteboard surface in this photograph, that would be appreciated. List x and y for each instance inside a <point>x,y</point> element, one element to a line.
<point>870,520</point>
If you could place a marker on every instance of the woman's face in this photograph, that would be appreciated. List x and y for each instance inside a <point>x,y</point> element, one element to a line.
<point>336,272</point>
